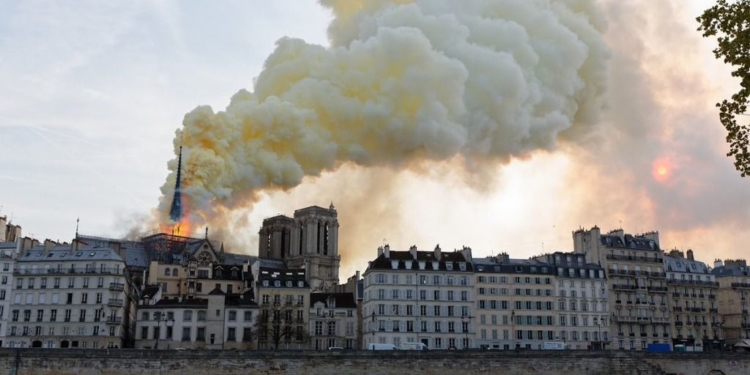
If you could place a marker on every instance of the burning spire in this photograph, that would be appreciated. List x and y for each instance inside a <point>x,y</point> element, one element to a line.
<point>175,213</point>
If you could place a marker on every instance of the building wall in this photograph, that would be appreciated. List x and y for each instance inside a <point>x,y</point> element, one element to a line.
<point>69,305</point>
<point>507,310</point>
<point>7,263</point>
<point>281,299</point>
<point>733,295</point>
<point>695,315</point>
<point>122,362</point>
<point>395,312</point>
<point>191,326</point>
<point>637,288</point>
<point>333,327</point>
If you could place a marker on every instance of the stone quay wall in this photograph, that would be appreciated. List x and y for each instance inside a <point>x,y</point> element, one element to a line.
<point>206,362</point>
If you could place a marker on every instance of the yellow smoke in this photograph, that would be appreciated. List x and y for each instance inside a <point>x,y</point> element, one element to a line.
<point>402,81</point>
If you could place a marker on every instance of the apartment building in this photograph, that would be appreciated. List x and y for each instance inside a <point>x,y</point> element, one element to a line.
<point>333,321</point>
<point>515,303</point>
<point>582,300</point>
<point>69,296</point>
<point>636,284</point>
<point>284,308</point>
<point>217,321</point>
<point>8,251</point>
<point>419,296</point>
<point>733,277</point>
<point>695,321</point>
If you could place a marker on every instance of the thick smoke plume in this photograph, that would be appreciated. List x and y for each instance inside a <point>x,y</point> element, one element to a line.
<point>402,82</point>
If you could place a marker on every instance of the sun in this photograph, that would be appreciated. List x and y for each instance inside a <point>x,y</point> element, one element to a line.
<point>661,169</point>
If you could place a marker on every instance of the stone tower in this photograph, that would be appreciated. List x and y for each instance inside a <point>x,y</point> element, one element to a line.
<point>309,241</point>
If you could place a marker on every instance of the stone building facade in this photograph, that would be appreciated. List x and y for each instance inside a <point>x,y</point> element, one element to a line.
<point>419,296</point>
<point>733,277</point>
<point>333,321</point>
<point>70,296</point>
<point>693,290</point>
<point>515,303</point>
<point>216,321</point>
<point>283,297</point>
<point>582,300</point>
<point>637,285</point>
<point>309,241</point>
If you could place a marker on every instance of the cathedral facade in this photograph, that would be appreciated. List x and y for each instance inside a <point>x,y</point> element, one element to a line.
<point>309,240</point>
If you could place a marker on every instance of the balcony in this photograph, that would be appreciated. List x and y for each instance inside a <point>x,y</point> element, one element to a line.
<point>713,310</point>
<point>623,287</point>
<point>665,334</point>
<point>634,258</point>
<point>115,302</point>
<point>744,312</point>
<point>659,289</point>
<point>678,324</point>
<point>677,309</point>
<point>643,320</point>
<point>676,295</point>
<point>711,297</point>
<point>745,325</point>
<point>116,320</point>
<point>644,334</point>
<point>696,324</point>
<point>68,271</point>
<point>740,285</point>
<point>116,287</point>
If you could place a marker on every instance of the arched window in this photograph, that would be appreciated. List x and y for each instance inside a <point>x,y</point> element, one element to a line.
<point>167,272</point>
<point>174,272</point>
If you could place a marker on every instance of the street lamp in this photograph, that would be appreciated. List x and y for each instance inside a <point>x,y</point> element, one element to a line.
<point>160,317</point>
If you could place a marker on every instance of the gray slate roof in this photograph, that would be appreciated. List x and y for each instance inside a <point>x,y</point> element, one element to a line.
<point>65,253</point>
<point>674,264</point>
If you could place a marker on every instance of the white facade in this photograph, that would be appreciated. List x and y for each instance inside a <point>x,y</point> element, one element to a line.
<point>333,321</point>
<point>216,322</point>
<point>66,296</point>
<point>7,262</point>
<point>419,296</point>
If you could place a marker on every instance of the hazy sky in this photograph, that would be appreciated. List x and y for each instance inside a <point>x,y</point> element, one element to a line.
<point>92,93</point>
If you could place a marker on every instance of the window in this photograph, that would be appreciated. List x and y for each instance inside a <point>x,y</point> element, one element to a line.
<point>248,316</point>
<point>232,315</point>
<point>201,334</point>
<point>82,317</point>
<point>201,315</point>
<point>187,315</point>
<point>231,334</point>
<point>186,333</point>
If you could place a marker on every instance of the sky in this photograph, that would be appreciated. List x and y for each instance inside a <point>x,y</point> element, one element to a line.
<point>94,91</point>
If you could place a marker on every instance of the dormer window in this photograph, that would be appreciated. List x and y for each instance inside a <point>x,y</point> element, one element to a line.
<point>289,283</point>
<point>422,264</point>
<point>394,264</point>
<point>408,264</point>
<point>449,266</point>
<point>435,265</point>
<point>277,283</point>
<point>301,284</point>
<point>265,282</point>
<point>462,266</point>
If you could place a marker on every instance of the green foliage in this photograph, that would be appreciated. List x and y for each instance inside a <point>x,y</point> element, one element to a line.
<point>728,22</point>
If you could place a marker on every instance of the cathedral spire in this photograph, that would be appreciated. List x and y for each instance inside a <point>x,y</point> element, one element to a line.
<point>175,213</point>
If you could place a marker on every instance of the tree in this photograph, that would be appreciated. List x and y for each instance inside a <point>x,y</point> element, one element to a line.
<point>730,23</point>
<point>280,325</point>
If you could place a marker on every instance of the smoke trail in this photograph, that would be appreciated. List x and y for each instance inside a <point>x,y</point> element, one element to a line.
<point>403,81</point>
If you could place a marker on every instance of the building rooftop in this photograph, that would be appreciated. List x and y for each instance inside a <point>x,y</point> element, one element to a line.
<point>341,300</point>
<point>411,259</point>
<point>679,264</point>
<point>65,253</point>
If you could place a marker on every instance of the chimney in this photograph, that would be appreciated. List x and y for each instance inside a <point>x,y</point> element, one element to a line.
<point>438,253</point>
<point>387,250</point>
<point>718,263</point>
<point>503,257</point>
<point>690,254</point>
<point>3,229</point>
<point>380,251</point>
<point>48,245</point>
<point>674,253</point>
<point>466,252</point>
